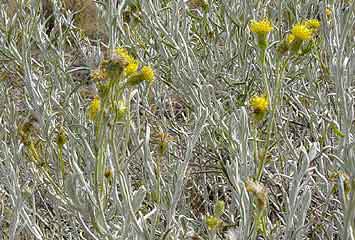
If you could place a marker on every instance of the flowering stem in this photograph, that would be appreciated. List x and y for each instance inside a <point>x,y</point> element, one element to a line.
<point>268,92</point>
<point>275,102</point>
<point>263,70</point>
<point>101,140</point>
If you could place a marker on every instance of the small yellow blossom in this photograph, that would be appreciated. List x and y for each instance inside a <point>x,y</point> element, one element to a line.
<point>312,24</point>
<point>131,68</point>
<point>94,108</point>
<point>147,73</point>
<point>123,53</point>
<point>328,12</point>
<point>132,64</point>
<point>301,32</point>
<point>259,104</point>
<point>261,27</point>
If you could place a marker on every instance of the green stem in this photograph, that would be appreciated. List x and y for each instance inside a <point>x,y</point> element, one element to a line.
<point>263,70</point>
<point>275,103</point>
<point>61,160</point>
<point>256,152</point>
<point>260,222</point>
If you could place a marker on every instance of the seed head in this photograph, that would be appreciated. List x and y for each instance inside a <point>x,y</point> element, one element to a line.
<point>259,191</point>
<point>108,173</point>
<point>31,127</point>
<point>99,75</point>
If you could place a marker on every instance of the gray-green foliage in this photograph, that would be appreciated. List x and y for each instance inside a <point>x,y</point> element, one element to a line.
<point>207,67</point>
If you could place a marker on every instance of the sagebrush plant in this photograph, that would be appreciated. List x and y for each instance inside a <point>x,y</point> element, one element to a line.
<point>180,119</point>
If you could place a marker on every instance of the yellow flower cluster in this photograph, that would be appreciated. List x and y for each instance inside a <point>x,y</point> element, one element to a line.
<point>304,31</point>
<point>300,32</point>
<point>259,104</point>
<point>122,61</point>
<point>131,68</point>
<point>145,74</point>
<point>132,64</point>
<point>261,27</point>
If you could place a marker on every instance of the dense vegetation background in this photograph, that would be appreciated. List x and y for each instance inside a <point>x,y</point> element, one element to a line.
<point>171,119</point>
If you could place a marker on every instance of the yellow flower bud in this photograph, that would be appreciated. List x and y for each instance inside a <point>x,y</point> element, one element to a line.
<point>147,73</point>
<point>94,108</point>
<point>61,137</point>
<point>312,24</point>
<point>213,223</point>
